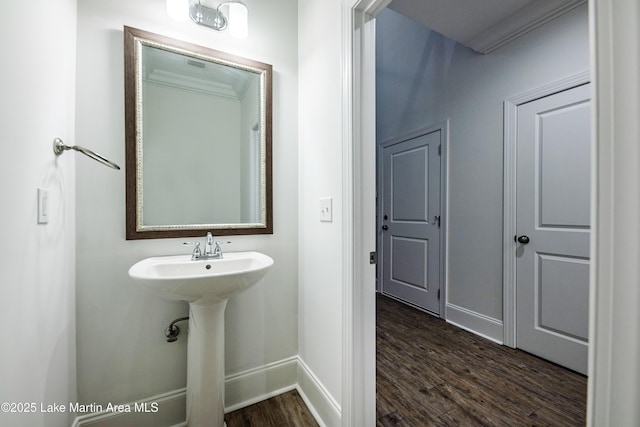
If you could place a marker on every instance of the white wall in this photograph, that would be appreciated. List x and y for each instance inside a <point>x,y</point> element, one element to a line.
<point>122,352</point>
<point>37,355</point>
<point>434,81</point>
<point>320,175</point>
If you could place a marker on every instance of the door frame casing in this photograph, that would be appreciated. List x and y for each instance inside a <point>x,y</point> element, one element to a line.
<point>443,127</point>
<point>614,351</point>
<point>509,190</point>
<point>358,406</point>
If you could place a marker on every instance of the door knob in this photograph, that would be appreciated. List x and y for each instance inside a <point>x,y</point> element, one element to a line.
<point>385,227</point>
<point>523,239</point>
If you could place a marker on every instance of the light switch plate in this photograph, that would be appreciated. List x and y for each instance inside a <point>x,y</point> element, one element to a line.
<point>326,209</point>
<point>43,206</point>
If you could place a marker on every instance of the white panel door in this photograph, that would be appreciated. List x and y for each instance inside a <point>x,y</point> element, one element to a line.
<point>553,197</point>
<point>411,220</point>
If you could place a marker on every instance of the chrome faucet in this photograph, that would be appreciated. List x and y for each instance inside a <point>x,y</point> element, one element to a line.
<point>212,249</point>
<point>208,245</point>
<point>196,250</point>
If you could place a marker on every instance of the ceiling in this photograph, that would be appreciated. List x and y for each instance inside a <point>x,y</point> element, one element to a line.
<point>201,74</point>
<point>483,25</point>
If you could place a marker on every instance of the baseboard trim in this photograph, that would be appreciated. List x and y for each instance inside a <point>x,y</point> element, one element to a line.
<point>171,407</point>
<point>322,405</point>
<point>242,389</point>
<point>261,383</point>
<point>479,324</point>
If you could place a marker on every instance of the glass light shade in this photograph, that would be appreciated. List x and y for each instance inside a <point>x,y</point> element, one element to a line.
<point>178,9</point>
<point>238,20</point>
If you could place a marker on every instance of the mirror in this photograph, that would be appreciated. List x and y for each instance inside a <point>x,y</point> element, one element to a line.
<point>198,140</point>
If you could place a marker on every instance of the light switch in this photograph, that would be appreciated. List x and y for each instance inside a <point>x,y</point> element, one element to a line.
<point>43,206</point>
<point>326,210</point>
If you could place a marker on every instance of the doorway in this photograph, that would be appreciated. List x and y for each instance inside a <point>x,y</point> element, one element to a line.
<point>476,177</point>
<point>615,40</point>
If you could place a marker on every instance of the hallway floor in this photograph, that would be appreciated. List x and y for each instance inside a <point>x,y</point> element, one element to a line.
<point>430,373</point>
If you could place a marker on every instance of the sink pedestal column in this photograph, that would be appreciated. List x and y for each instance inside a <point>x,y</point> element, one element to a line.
<point>205,365</point>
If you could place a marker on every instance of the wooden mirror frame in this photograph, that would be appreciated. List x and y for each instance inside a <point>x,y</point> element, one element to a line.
<point>132,39</point>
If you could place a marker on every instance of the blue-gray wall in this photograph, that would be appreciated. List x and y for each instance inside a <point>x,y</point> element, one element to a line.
<point>424,78</point>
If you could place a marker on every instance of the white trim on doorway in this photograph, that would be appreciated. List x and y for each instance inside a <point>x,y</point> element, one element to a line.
<point>509,246</point>
<point>358,129</point>
<point>614,352</point>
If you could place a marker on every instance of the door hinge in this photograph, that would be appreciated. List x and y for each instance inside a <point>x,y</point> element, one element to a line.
<point>440,150</point>
<point>438,293</point>
<point>436,219</point>
<point>373,258</point>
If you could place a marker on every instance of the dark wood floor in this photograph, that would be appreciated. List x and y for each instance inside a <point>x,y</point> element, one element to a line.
<point>287,409</point>
<point>433,374</point>
<point>430,373</point>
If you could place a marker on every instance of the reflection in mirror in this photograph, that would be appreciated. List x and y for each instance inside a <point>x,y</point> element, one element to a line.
<point>209,144</point>
<point>198,140</point>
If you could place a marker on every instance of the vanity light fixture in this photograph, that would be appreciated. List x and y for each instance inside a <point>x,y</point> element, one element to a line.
<point>236,18</point>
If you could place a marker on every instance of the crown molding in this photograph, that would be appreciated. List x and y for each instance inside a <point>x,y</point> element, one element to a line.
<point>526,19</point>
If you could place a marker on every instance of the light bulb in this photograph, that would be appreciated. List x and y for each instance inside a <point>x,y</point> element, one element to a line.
<point>238,20</point>
<point>178,9</point>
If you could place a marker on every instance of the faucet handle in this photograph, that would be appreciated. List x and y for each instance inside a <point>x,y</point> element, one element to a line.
<point>217,251</point>
<point>196,249</point>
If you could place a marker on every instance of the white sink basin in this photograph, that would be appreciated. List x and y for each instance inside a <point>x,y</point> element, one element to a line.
<point>206,285</point>
<point>201,282</point>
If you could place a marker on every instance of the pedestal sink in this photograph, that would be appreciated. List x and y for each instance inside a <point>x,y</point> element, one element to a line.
<point>206,285</point>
